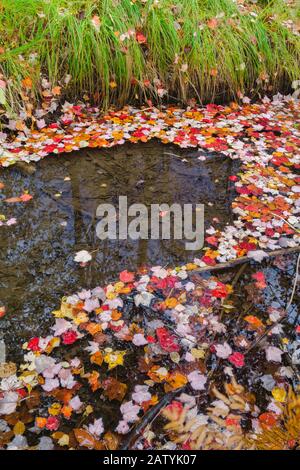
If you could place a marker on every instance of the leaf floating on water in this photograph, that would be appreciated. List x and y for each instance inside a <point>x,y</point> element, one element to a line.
<point>114,390</point>
<point>82,257</point>
<point>23,198</point>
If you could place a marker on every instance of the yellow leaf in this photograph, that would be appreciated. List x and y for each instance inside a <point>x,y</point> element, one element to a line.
<point>175,357</point>
<point>198,353</point>
<point>114,358</point>
<point>191,266</point>
<point>66,310</point>
<point>171,302</point>
<point>64,440</point>
<point>279,394</point>
<point>82,317</point>
<point>88,410</point>
<point>175,380</point>
<point>19,428</point>
<point>20,126</point>
<point>54,409</point>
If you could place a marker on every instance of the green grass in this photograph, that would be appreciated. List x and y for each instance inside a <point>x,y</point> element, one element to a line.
<point>242,54</point>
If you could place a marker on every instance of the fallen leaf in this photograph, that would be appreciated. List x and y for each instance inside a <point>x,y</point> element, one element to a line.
<point>19,428</point>
<point>111,440</point>
<point>114,390</point>
<point>7,369</point>
<point>84,438</point>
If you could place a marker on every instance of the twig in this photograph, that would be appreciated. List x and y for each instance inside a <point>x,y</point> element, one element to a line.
<point>295,284</point>
<point>245,259</point>
<point>238,275</point>
<point>288,223</point>
<point>149,417</point>
<point>173,154</point>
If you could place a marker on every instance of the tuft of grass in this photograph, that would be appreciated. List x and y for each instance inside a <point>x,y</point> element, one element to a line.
<point>211,50</point>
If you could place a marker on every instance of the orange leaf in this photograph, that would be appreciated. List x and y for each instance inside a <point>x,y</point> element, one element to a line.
<point>40,422</point>
<point>93,328</point>
<point>175,380</point>
<point>116,315</point>
<point>27,82</point>
<point>2,311</point>
<point>12,200</point>
<point>267,420</point>
<point>97,358</point>
<point>93,379</point>
<point>26,197</point>
<point>157,375</point>
<point>254,321</point>
<point>56,90</point>
<point>213,23</point>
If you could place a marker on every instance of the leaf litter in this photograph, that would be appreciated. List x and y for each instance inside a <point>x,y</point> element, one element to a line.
<point>169,322</point>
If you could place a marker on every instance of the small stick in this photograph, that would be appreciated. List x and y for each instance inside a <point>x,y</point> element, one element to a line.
<point>246,259</point>
<point>149,417</point>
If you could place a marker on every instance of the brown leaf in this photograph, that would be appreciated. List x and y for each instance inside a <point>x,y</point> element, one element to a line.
<point>64,395</point>
<point>13,199</point>
<point>144,365</point>
<point>114,390</point>
<point>6,437</point>
<point>100,338</point>
<point>33,400</point>
<point>84,438</point>
<point>99,445</point>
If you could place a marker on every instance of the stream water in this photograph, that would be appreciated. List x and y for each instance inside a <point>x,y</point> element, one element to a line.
<point>37,254</point>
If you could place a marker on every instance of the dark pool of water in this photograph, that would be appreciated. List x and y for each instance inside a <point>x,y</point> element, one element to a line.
<point>37,255</point>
